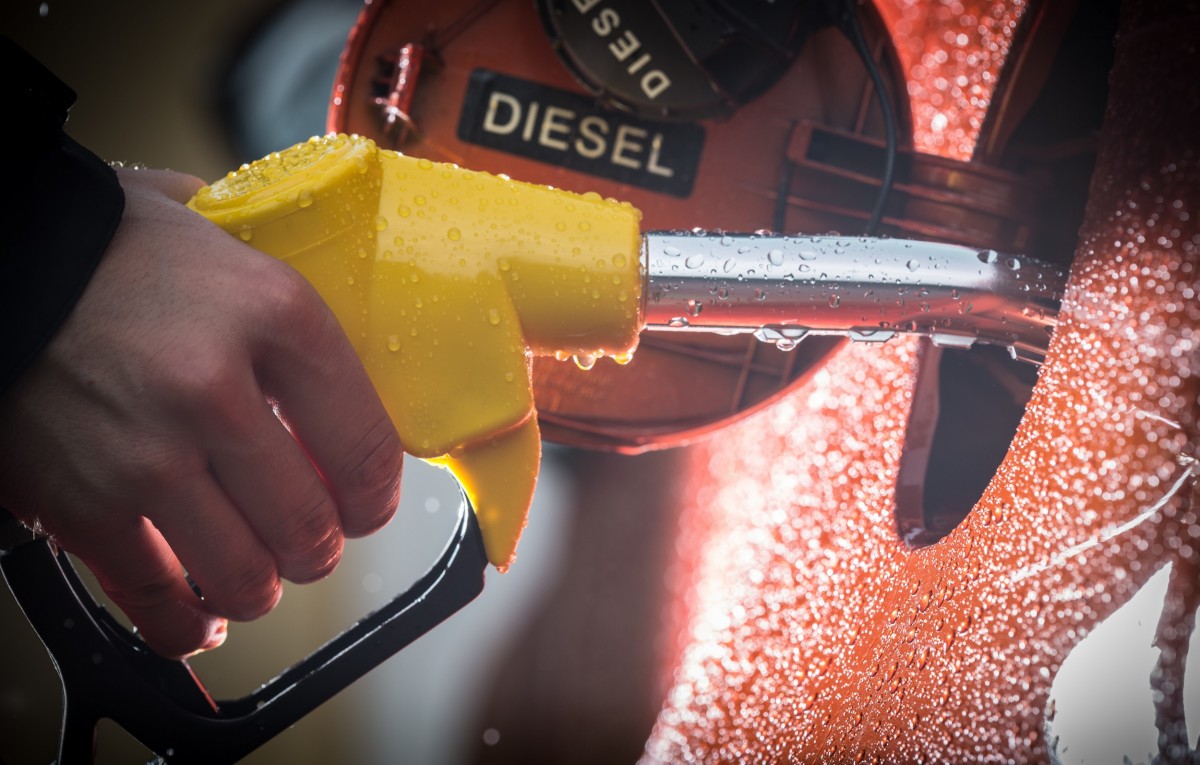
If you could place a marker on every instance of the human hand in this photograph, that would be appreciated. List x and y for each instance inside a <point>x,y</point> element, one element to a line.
<point>149,436</point>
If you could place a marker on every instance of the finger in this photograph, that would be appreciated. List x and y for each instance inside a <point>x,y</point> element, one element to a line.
<point>235,572</point>
<point>177,186</point>
<point>307,364</point>
<point>144,578</point>
<point>272,483</point>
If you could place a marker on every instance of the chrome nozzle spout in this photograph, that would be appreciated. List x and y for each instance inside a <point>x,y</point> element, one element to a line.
<point>781,288</point>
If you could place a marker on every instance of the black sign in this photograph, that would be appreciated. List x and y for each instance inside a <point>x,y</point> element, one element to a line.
<point>570,130</point>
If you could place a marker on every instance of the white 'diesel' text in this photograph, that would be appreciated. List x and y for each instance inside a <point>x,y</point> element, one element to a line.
<point>626,48</point>
<point>561,129</point>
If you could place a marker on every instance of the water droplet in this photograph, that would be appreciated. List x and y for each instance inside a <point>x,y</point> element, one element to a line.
<point>987,256</point>
<point>304,198</point>
<point>677,322</point>
<point>246,234</point>
<point>694,307</point>
<point>454,235</point>
<point>380,223</point>
<point>393,343</point>
<point>623,358</point>
<point>350,281</point>
<point>671,251</point>
<point>694,260</point>
<point>618,261</point>
<point>775,257</point>
<point>493,317</point>
<point>1013,263</point>
<point>585,361</point>
<point>508,376</point>
<point>835,301</point>
<point>912,265</point>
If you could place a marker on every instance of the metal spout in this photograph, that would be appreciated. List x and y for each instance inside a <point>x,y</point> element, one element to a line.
<point>782,288</point>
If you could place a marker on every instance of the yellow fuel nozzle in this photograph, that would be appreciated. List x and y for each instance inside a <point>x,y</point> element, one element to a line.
<point>446,281</point>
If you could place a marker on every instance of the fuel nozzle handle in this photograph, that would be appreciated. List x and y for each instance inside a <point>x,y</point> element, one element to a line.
<point>782,288</point>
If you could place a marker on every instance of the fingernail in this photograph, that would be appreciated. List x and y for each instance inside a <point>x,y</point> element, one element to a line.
<point>216,635</point>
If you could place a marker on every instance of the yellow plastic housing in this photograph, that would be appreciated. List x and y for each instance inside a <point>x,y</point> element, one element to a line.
<point>446,280</point>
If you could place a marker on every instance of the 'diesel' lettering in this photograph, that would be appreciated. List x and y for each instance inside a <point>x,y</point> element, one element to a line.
<point>498,102</point>
<point>591,142</point>
<point>653,82</point>
<point>626,141</point>
<point>555,127</point>
<point>530,121</point>
<point>605,22</point>
<point>551,124</point>
<point>652,165</point>
<point>569,130</point>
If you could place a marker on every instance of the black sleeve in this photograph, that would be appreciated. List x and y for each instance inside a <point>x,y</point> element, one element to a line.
<point>60,207</point>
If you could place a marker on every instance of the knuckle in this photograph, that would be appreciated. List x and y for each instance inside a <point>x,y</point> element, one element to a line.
<point>156,470</point>
<point>255,590</point>
<point>288,298</point>
<point>297,318</point>
<point>210,386</point>
<point>153,590</point>
<point>310,542</point>
<point>373,488</point>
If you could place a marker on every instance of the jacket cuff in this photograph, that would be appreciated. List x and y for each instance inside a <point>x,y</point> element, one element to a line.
<point>63,206</point>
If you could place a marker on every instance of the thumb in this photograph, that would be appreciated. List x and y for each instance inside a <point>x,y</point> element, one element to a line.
<point>177,186</point>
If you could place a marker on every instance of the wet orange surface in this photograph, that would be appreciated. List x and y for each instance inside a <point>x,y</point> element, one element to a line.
<point>816,632</point>
<point>950,54</point>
